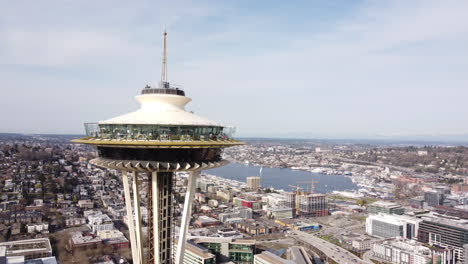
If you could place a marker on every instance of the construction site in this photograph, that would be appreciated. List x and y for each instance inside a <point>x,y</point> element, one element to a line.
<point>308,203</point>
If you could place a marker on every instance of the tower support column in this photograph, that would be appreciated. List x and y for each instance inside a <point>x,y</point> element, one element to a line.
<point>136,200</point>
<point>156,217</point>
<point>186,215</point>
<point>130,218</point>
<point>165,182</point>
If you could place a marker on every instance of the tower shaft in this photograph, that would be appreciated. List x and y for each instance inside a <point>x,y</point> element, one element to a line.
<point>163,215</point>
<point>160,216</point>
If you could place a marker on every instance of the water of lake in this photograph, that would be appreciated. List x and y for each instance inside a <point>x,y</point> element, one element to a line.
<point>280,178</point>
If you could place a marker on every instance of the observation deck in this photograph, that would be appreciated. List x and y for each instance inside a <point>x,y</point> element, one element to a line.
<point>160,131</point>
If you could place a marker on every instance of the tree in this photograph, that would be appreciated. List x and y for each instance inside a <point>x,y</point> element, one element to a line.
<point>362,202</point>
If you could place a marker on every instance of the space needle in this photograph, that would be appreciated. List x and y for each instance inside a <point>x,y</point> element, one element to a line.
<point>151,144</point>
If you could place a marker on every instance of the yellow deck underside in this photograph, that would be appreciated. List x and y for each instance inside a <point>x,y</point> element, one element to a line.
<point>158,143</point>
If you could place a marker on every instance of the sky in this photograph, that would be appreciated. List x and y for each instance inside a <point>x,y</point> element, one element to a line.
<point>324,69</point>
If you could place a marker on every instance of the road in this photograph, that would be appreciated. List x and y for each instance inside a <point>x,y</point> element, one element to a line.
<point>338,254</point>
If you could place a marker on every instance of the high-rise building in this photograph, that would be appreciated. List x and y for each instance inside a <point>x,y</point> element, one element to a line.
<point>465,253</point>
<point>151,144</point>
<point>253,183</point>
<point>204,185</point>
<point>312,204</point>
<point>444,231</point>
<point>391,225</point>
<point>434,198</point>
<point>290,199</point>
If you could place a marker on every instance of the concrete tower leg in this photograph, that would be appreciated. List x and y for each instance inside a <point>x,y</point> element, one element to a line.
<point>186,216</point>
<point>156,217</point>
<point>136,200</point>
<point>164,217</point>
<point>130,218</point>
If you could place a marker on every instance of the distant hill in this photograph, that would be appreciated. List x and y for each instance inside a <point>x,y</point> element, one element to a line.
<point>38,137</point>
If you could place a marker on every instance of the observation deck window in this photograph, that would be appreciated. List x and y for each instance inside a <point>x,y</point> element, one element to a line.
<point>157,132</point>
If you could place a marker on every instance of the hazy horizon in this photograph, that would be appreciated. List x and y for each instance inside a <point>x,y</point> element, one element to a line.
<point>334,69</point>
<point>455,140</point>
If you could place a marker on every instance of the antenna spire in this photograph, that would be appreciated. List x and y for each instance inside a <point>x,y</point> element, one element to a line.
<point>164,64</point>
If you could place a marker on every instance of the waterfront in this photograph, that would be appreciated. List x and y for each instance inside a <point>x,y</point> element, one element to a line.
<point>280,178</point>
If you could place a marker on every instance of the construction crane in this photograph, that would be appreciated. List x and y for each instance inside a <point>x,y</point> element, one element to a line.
<point>312,185</point>
<point>298,192</point>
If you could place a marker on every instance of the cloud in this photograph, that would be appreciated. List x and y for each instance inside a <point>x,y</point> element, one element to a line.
<point>376,67</point>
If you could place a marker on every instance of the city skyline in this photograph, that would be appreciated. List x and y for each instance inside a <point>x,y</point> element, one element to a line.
<point>335,69</point>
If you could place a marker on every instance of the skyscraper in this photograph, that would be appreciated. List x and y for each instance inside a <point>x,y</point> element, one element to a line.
<point>151,144</point>
<point>253,183</point>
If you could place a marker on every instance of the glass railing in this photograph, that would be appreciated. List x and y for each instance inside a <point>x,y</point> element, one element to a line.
<point>92,129</point>
<point>157,132</point>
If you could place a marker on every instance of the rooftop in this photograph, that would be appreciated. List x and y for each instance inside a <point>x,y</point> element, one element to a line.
<point>78,238</point>
<point>272,258</point>
<point>198,250</point>
<point>446,220</point>
<point>299,255</point>
<point>28,246</point>
<point>385,204</point>
<point>408,246</point>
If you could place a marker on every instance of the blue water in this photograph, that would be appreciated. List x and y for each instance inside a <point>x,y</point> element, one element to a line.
<point>280,178</point>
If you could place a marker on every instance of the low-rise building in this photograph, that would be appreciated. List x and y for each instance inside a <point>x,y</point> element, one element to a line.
<point>298,255</point>
<point>24,217</point>
<point>99,222</point>
<point>224,194</point>
<point>228,249</point>
<point>204,221</point>
<point>243,213</point>
<point>80,240</point>
<point>363,243</point>
<point>75,221</point>
<point>280,212</point>
<point>254,205</point>
<point>26,249</point>
<point>254,228</point>
<point>298,225</point>
<point>88,204</point>
<point>269,258</point>
<point>197,254</point>
<point>41,228</point>
<point>402,251</point>
<point>385,207</point>
<point>113,238</point>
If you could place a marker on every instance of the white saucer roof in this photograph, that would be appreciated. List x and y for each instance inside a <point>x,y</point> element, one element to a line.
<point>161,109</point>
